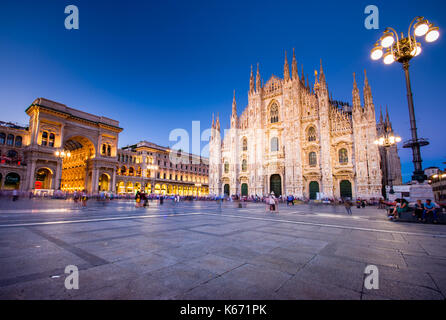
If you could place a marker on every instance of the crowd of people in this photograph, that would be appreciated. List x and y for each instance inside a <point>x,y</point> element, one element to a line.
<point>420,210</point>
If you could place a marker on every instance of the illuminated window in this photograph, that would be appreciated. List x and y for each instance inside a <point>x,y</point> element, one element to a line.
<point>245,144</point>
<point>51,141</point>
<point>226,167</point>
<point>44,138</point>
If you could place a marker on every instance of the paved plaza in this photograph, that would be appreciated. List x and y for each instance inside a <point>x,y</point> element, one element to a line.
<point>206,250</point>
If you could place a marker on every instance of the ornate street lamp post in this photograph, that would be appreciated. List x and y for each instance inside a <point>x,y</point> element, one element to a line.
<point>386,141</point>
<point>402,49</point>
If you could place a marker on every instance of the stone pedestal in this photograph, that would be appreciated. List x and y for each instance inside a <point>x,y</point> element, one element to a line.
<point>421,191</point>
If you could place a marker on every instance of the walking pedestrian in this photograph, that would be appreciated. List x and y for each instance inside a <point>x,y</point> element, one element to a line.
<point>348,206</point>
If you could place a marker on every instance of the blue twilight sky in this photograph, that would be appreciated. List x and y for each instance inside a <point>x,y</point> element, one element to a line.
<point>158,65</point>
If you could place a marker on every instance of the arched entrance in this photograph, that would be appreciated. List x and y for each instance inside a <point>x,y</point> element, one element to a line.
<point>12,181</point>
<point>76,172</point>
<point>226,189</point>
<point>345,188</point>
<point>44,178</point>
<point>314,189</point>
<point>244,189</point>
<point>276,184</point>
<point>129,187</point>
<point>104,182</point>
<point>120,187</point>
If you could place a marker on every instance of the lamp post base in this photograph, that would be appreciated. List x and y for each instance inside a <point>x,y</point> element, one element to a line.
<point>419,176</point>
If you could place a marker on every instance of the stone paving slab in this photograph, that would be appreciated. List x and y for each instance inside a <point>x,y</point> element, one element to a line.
<point>302,252</point>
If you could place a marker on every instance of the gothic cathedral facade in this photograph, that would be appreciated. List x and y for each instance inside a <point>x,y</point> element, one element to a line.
<point>294,139</point>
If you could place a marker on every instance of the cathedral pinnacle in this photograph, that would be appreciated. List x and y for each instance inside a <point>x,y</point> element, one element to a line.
<point>258,84</point>
<point>294,73</point>
<point>251,82</point>
<point>286,70</point>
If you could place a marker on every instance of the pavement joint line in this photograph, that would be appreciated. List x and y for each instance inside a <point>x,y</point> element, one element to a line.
<point>96,220</point>
<point>440,235</point>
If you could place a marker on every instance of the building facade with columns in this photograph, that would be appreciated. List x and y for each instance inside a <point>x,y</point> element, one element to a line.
<point>295,139</point>
<point>70,150</point>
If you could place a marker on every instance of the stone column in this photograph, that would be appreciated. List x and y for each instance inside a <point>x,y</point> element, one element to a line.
<point>94,178</point>
<point>113,186</point>
<point>31,175</point>
<point>58,176</point>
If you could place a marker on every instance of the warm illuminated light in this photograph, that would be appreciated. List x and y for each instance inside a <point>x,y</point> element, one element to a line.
<point>392,140</point>
<point>416,51</point>
<point>389,58</point>
<point>443,175</point>
<point>69,154</point>
<point>387,40</point>
<point>433,34</point>
<point>435,176</point>
<point>376,53</point>
<point>398,139</point>
<point>421,28</point>
<point>57,153</point>
<point>376,142</point>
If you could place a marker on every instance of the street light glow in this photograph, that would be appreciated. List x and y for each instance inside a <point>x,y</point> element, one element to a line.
<point>433,34</point>
<point>387,40</point>
<point>421,28</point>
<point>416,51</point>
<point>389,58</point>
<point>376,53</point>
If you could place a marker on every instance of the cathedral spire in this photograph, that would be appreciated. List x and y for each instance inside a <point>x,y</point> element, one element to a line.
<point>234,106</point>
<point>213,122</point>
<point>286,70</point>
<point>294,73</point>
<point>368,100</point>
<point>258,84</point>
<point>251,82</point>
<point>302,77</point>
<point>322,75</point>
<point>234,113</point>
<point>217,123</point>
<point>381,115</point>
<point>355,94</point>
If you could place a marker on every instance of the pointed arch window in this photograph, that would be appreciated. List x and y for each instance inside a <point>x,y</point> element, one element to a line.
<point>311,134</point>
<point>2,138</point>
<point>274,144</point>
<point>245,144</point>
<point>274,113</point>
<point>312,160</point>
<point>343,156</point>
<point>226,167</point>
<point>244,165</point>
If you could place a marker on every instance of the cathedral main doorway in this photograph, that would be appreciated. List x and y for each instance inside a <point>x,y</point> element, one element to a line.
<point>226,189</point>
<point>276,185</point>
<point>345,187</point>
<point>314,189</point>
<point>244,189</point>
